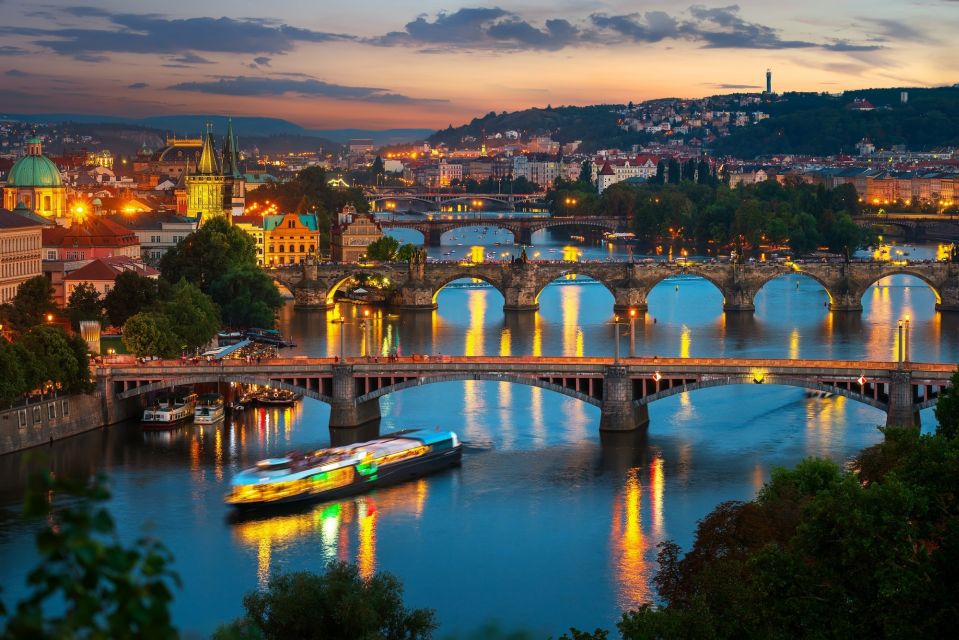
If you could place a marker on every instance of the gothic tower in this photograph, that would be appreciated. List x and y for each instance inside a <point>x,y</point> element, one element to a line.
<point>235,192</point>
<point>207,187</point>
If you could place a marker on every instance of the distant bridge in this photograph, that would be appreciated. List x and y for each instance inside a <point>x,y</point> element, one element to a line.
<point>392,201</point>
<point>416,286</point>
<point>621,388</point>
<point>915,226</point>
<point>521,228</point>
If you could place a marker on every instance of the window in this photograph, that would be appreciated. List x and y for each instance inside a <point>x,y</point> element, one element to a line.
<point>37,416</point>
<point>65,408</point>
<point>22,418</point>
<point>291,224</point>
<point>282,248</point>
<point>51,254</point>
<point>302,248</point>
<point>52,411</point>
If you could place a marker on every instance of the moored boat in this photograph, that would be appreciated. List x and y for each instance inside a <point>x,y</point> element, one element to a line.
<point>243,400</point>
<point>169,411</point>
<point>326,474</point>
<point>276,397</point>
<point>209,409</point>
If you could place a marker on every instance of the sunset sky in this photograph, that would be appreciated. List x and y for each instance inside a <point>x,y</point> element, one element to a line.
<point>398,63</point>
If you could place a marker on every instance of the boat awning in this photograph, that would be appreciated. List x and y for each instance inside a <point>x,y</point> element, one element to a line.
<point>222,352</point>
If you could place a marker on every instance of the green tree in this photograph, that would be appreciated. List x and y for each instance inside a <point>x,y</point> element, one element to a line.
<point>150,334</point>
<point>131,294</point>
<point>208,253</point>
<point>12,382</point>
<point>247,297</point>
<point>32,302</point>
<point>407,252</point>
<point>88,584</point>
<point>60,360</point>
<point>337,605</point>
<point>84,304</point>
<point>192,314</point>
<point>383,249</point>
<point>947,409</point>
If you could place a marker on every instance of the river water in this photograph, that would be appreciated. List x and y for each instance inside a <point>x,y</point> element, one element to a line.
<point>546,524</point>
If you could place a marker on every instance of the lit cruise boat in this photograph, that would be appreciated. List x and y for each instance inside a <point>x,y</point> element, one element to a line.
<point>332,473</point>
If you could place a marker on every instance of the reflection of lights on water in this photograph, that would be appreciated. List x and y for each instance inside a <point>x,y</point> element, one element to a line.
<point>570,298</point>
<point>794,344</point>
<point>366,554</point>
<point>628,545</point>
<point>657,486</point>
<point>505,342</point>
<point>685,338</point>
<point>218,455</point>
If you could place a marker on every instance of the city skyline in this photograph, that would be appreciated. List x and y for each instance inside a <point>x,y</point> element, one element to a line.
<point>429,64</point>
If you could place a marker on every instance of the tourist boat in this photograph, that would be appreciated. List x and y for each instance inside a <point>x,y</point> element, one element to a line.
<point>268,336</point>
<point>243,400</point>
<point>578,238</point>
<point>279,397</point>
<point>327,474</point>
<point>169,411</point>
<point>209,409</point>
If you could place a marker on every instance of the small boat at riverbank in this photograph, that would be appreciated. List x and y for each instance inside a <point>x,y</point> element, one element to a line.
<point>169,411</point>
<point>268,336</point>
<point>209,409</point>
<point>243,400</point>
<point>276,397</point>
<point>327,474</point>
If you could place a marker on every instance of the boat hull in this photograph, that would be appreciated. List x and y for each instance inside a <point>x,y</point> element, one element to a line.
<point>385,476</point>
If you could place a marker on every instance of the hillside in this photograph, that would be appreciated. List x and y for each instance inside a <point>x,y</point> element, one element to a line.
<point>806,123</point>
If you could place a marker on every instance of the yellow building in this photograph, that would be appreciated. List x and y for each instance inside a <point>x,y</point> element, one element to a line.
<point>253,225</point>
<point>20,252</point>
<point>290,239</point>
<point>208,192</point>
<point>352,234</point>
<point>35,183</point>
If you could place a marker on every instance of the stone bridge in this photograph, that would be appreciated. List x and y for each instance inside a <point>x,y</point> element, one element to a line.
<point>622,389</point>
<point>415,286</point>
<point>388,201</point>
<point>521,228</point>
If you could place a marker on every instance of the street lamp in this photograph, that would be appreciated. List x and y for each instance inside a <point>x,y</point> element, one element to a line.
<point>367,332</point>
<point>900,345</point>
<point>616,339</point>
<point>905,348</point>
<point>632,333</point>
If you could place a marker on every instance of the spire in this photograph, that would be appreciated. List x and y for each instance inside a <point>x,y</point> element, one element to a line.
<point>230,164</point>
<point>207,164</point>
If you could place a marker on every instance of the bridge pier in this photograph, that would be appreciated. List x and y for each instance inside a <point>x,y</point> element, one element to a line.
<point>524,237</point>
<point>902,411</point>
<point>846,302</point>
<point>619,413</point>
<point>520,299</point>
<point>626,299</point>
<point>434,236</point>
<point>345,411</point>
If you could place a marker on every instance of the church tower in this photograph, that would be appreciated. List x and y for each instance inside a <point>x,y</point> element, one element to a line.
<point>206,187</point>
<point>235,192</point>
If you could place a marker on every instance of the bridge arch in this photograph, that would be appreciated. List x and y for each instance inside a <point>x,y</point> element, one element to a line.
<point>904,270</point>
<point>806,274</point>
<point>162,385</point>
<point>690,270</point>
<point>485,198</point>
<point>549,223</point>
<point>481,376</point>
<point>574,270</point>
<point>748,379</point>
<point>466,274</point>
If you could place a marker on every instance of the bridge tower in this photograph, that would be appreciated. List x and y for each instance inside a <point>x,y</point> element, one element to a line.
<point>902,411</point>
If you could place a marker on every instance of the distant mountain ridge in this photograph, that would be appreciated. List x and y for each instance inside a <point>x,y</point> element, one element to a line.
<point>247,126</point>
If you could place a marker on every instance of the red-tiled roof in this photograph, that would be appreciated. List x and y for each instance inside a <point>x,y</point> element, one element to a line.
<point>93,232</point>
<point>108,269</point>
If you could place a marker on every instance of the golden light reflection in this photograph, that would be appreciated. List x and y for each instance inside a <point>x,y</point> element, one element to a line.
<point>570,299</point>
<point>825,424</point>
<point>505,342</point>
<point>536,412</point>
<point>218,455</point>
<point>657,487</point>
<point>571,254</point>
<point>366,554</point>
<point>473,338</point>
<point>685,338</point>
<point>477,254</point>
<point>194,454</point>
<point>537,335</point>
<point>628,545</point>
<point>263,564</point>
<point>794,344</point>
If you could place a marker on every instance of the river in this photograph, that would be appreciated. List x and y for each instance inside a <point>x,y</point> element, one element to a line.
<point>546,524</point>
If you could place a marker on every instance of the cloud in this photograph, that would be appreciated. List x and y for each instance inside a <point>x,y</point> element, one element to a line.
<point>151,33</point>
<point>89,57</point>
<point>190,58</point>
<point>482,28</point>
<point>9,50</point>
<point>722,28</point>
<point>736,86</point>
<point>261,61</point>
<point>257,86</point>
<point>16,73</point>
<point>846,46</point>
<point>138,85</point>
<point>651,26</point>
<point>897,30</point>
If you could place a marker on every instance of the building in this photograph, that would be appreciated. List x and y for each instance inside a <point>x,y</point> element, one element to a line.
<point>216,189</point>
<point>351,234</point>
<point>90,238</point>
<point>235,194</point>
<point>252,225</point>
<point>102,274</point>
<point>290,238</point>
<point>605,178</point>
<point>35,182</point>
<point>20,252</point>
<point>156,232</point>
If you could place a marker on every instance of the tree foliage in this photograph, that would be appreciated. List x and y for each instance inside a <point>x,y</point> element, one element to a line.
<point>131,294</point>
<point>88,584</point>
<point>59,359</point>
<point>149,333</point>
<point>337,605</point>
<point>208,253</point>
<point>192,315</point>
<point>84,304</point>
<point>247,297</point>
<point>33,300</point>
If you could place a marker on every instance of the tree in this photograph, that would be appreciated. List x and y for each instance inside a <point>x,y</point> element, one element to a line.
<point>947,409</point>
<point>33,301</point>
<point>247,297</point>
<point>59,360</point>
<point>378,169</point>
<point>407,253</point>
<point>383,249</point>
<point>84,304</point>
<point>150,334</point>
<point>207,253</point>
<point>131,294</point>
<point>192,314</point>
<point>673,171</point>
<point>12,382</point>
<point>88,584</point>
<point>337,605</point>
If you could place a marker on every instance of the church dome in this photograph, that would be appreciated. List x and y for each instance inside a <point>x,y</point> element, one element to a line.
<point>34,169</point>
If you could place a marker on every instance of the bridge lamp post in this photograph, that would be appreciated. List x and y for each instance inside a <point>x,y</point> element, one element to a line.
<point>632,333</point>
<point>367,326</point>
<point>900,345</point>
<point>616,339</point>
<point>905,347</point>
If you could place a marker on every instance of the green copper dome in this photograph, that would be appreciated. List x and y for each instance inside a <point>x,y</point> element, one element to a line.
<point>34,171</point>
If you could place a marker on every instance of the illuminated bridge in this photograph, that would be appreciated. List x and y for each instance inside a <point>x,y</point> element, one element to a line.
<point>416,286</point>
<point>401,200</point>
<point>622,389</point>
<point>521,228</point>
